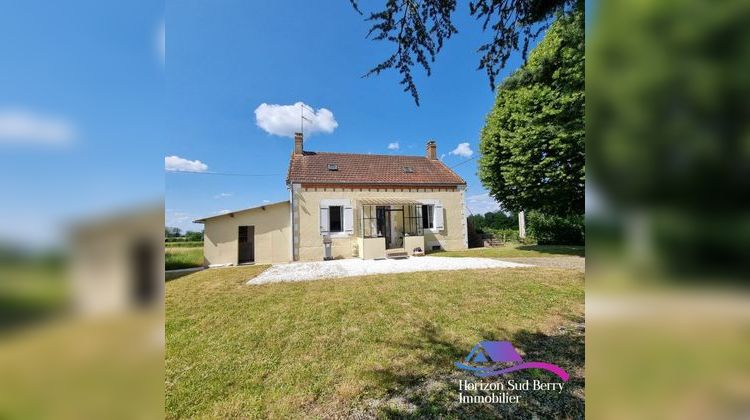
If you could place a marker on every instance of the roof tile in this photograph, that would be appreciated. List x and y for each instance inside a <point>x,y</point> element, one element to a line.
<point>312,167</point>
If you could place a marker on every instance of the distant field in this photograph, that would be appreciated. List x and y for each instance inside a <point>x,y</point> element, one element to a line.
<point>176,257</point>
<point>31,291</point>
<point>184,244</point>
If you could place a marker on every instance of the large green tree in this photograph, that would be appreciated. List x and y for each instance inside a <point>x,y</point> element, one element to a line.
<point>532,144</point>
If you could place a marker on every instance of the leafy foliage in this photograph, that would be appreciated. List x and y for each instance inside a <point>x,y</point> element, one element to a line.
<point>556,230</point>
<point>172,232</point>
<point>419,28</point>
<point>514,23</point>
<point>175,234</point>
<point>533,141</point>
<point>193,236</point>
<point>493,220</point>
<point>668,122</point>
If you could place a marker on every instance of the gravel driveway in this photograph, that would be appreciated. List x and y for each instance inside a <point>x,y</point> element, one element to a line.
<point>306,271</point>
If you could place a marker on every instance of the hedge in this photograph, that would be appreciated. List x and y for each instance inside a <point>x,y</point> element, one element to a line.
<point>556,230</point>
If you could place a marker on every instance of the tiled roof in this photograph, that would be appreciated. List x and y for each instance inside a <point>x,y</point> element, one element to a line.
<point>312,167</point>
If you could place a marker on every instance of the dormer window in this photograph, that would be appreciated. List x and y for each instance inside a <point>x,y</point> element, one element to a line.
<point>333,167</point>
<point>408,169</point>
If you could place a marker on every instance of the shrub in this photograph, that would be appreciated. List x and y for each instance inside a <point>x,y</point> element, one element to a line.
<point>556,230</point>
<point>504,235</point>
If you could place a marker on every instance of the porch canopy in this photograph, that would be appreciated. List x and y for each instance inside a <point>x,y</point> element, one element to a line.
<point>397,201</point>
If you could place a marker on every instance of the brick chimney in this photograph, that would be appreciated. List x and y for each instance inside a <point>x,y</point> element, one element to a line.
<point>431,150</point>
<point>297,143</point>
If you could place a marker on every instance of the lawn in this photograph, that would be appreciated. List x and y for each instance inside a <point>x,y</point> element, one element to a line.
<point>369,346</point>
<point>31,291</point>
<point>182,257</point>
<point>184,244</point>
<point>517,251</point>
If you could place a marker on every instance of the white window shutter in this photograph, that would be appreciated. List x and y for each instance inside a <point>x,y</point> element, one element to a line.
<point>437,218</point>
<point>348,219</point>
<point>324,221</point>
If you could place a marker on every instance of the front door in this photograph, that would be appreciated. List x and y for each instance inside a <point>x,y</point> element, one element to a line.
<point>384,223</point>
<point>246,244</point>
<point>388,226</point>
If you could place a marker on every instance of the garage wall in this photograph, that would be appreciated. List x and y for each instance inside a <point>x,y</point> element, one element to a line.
<point>272,235</point>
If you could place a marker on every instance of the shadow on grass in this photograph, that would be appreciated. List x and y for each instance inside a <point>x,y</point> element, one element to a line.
<point>16,312</point>
<point>556,249</point>
<point>174,275</point>
<point>414,393</point>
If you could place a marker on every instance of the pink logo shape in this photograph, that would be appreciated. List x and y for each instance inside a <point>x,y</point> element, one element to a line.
<point>487,354</point>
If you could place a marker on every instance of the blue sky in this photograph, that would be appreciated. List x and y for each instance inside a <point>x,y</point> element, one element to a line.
<point>81,113</point>
<point>224,59</point>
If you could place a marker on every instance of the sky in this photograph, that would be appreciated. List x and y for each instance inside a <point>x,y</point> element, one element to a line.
<point>235,70</point>
<point>81,114</point>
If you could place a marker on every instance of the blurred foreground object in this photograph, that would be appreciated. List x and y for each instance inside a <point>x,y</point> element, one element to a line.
<point>668,130</point>
<point>103,357</point>
<point>118,262</point>
<point>80,140</point>
<point>668,222</point>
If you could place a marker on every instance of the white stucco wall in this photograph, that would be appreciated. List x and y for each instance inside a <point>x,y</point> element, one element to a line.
<point>310,240</point>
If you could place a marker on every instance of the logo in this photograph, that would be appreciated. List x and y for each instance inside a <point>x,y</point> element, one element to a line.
<point>492,358</point>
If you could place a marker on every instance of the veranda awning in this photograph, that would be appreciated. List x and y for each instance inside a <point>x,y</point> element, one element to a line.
<point>388,201</point>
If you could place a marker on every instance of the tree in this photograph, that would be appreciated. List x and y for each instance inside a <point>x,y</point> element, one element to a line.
<point>172,232</point>
<point>532,144</point>
<point>493,220</point>
<point>193,236</point>
<point>418,30</point>
<point>668,131</point>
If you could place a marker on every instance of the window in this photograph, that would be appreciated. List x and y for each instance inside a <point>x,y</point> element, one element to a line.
<point>408,169</point>
<point>427,210</point>
<point>333,167</point>
<point>335,214</point>
<point>336,217</point>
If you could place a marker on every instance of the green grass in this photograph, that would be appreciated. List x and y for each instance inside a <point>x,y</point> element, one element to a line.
<point>185,244</point>
<point>30,292</point>
<point>181,257</point>
<point>514,251</point>
<point>366,345</point>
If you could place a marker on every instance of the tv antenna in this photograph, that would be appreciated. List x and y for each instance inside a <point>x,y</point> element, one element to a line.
<point>302,117</point>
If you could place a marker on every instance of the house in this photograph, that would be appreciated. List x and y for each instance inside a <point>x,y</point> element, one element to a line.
<point>344,205</point>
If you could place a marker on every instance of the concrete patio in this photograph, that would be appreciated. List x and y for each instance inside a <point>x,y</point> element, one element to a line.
<point>307,271</point>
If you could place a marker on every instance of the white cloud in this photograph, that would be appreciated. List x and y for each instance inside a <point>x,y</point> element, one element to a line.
<point>24,126</point>
<point>223,195</point>
<point>181,219</point>
<point>176,218</point>
<point>266,201</point>
<point>180,216</point>
<point>160,42</point>
<point>393,146</point>
<point>176,163</point>
<point>463,149</point>
<point>223,211</point>
<point>442,156</point>
<point>284,120</point>
<point>481,203</point>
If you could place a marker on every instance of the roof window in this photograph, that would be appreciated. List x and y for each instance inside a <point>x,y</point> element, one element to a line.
<point>408,169</point>
<point>333,167</point>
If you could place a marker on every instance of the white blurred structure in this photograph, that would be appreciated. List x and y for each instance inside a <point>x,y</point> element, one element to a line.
<point>117,262</point>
